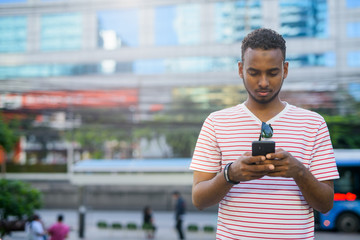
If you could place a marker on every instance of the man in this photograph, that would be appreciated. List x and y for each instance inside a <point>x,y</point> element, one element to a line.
<point>272,196</point>
<point>59,230</point>
<point>179,213</point>
<point>35,229</point>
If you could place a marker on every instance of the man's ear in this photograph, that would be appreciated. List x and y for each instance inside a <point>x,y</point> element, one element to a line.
<point>241,73</point>
<point>286,68</point>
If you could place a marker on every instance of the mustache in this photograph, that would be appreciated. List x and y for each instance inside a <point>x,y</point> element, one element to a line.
<point>263,90</point>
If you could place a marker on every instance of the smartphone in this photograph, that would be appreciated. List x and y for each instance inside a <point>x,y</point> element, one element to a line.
<point>262,147</point>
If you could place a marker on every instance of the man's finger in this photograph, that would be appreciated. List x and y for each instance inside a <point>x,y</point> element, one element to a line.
<point>262,168</point>
<point>252,160</point>
<point>277,154</point>
<point>247,154</point>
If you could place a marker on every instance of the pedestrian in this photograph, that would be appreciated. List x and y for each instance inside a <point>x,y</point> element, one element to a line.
<point>180,207</point>
<point>148,223</point>
<point>270,196</point>
<point>35,229</point>
<point>59,230</point>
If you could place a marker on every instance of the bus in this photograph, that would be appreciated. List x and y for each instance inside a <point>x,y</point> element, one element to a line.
<point>345,214</point>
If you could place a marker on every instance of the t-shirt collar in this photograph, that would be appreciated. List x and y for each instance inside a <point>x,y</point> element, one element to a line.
<point>272,120</point>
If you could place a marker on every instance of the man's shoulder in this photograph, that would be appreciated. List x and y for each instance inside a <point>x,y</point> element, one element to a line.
<point>230,111</point>
<point>303,113</point>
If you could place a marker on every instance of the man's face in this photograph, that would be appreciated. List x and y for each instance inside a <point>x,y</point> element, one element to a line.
<point>263,72</point>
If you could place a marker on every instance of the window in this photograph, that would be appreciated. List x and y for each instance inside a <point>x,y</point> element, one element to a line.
<point>311,60</point>
<point>46,70</point>
<point>353,29</point>
<point>233,20</point>
<point>153,66</point>
<point>185,65</point>
<point>61,32</point>
<point>353,59</point>
<point>12,1</point>
<point>306,18</point>
<point>352,3</point>
<point>354,91</point>
<point>349,180</point>
<point>177,25</point>
<point>118,28</point>
<point>13,34</point>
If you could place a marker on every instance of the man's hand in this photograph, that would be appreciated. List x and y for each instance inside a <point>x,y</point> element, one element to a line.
<point>285,164</point>
<point>319,194</point>
<point>249,167</point>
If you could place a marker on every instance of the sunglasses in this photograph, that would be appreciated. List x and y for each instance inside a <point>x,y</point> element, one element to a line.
<point>266,131</point>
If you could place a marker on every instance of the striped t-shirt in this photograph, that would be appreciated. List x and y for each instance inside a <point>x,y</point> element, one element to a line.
<point>270,207</point>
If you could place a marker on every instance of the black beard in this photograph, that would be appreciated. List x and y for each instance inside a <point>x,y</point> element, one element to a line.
<point>264,101</point>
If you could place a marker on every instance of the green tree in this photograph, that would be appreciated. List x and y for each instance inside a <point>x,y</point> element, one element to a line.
<point>17,199</point>
<point>344,131</point>
<point>182,141</point>
<point>92,137</point>
<point>8,137</point>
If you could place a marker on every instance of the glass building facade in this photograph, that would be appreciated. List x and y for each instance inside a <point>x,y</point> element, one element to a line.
<point>61,32</point>
<point>353,30</point>
<point>233,20</point>
<point>169,54</point>
<point>353,59</point>
<point>185,37</point>
<point>118,28</point>
<point>307,18</point>
<point>353,3</point>
<point>13,34</point>
<point>177,25</point>
<point>159,66</point>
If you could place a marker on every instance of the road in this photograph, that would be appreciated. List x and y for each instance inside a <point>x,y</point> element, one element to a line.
<point>163,219</point>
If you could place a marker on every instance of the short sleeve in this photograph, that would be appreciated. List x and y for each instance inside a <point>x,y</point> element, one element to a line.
<point>207,155</point>
<point>323,165</point>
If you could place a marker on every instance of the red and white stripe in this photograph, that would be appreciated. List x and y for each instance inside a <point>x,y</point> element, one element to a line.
<point>266,208</point>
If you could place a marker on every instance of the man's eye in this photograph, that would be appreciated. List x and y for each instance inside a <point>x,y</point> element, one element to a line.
<point>273,74</point>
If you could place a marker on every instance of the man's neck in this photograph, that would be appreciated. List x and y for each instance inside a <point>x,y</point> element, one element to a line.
<point>267,111</point>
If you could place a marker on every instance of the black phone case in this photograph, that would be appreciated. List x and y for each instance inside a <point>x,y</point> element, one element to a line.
<point>262,147</point>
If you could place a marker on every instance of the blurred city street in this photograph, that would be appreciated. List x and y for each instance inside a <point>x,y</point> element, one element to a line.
<point>107,104</point>
<point>164,221</point>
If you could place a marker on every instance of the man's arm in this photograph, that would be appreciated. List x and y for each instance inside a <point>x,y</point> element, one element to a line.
<point>210,188</point>
<point>319,195</point>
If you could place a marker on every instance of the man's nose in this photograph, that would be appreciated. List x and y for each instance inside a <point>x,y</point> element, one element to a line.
<point>263,81</point>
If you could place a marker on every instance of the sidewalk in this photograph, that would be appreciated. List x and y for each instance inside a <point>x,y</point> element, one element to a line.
<point>164,220</point>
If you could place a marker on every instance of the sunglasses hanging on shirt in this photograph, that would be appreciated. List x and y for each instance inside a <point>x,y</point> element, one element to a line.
<point>266,131</point>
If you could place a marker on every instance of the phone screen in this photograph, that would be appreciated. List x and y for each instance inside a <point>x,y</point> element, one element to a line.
<point>261,148</point>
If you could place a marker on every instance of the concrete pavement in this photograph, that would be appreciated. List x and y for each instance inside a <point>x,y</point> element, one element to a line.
<point>164,221</point>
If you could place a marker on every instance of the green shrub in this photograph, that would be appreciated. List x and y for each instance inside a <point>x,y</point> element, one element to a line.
<point>102,224</point>
<point>131,226</point>
<point>208,228</point>
<point>192,228</point>
<point>116,226</point>
<point>36,168</point>
<point>147,226</point>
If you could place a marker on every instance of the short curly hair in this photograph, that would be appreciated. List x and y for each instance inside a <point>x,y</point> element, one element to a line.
<point>263,38</point>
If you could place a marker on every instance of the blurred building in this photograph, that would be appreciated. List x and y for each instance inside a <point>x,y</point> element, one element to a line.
<point>158,46</point>
<point>142,55</point>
